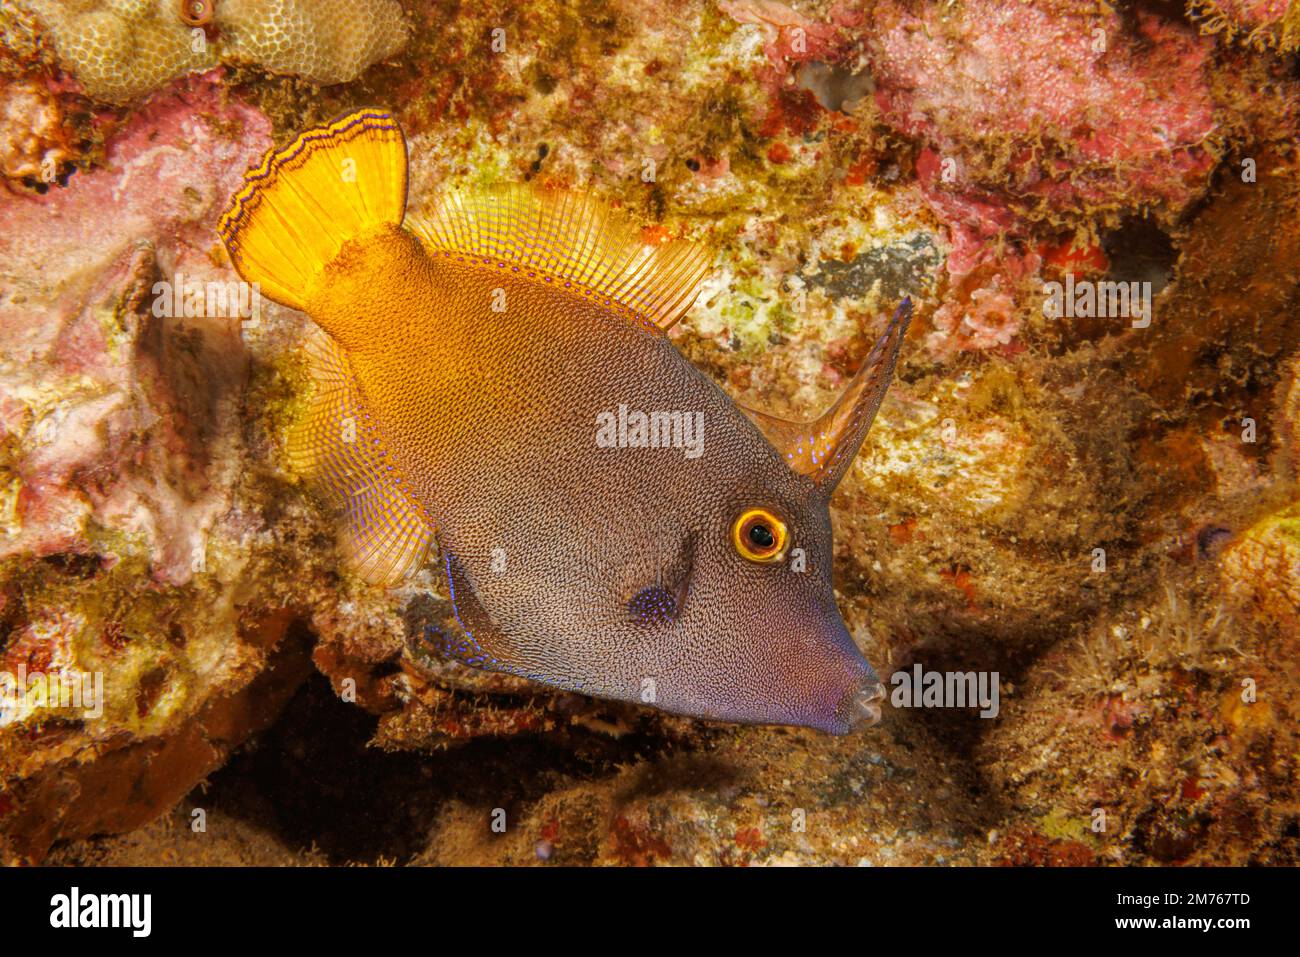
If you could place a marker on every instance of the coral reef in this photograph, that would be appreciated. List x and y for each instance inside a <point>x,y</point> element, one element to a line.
<point>34,145</point>
<point>1105,115</point>
<point>120,50</point>
<point>115,426</point>
<point>324,41</point>
<point>1258,23</point>
<point>1102,513</point>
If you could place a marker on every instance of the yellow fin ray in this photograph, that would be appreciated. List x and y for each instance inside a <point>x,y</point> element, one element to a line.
<point>387,533</point>
<point>297,209</point>
<point>569,237</point>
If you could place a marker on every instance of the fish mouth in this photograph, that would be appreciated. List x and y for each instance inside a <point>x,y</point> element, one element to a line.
<point>863,707</point>
<point>857,709</point>
<point>852,707</point>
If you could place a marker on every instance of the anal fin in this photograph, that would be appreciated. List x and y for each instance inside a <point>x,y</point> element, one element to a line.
<point>336,447</point>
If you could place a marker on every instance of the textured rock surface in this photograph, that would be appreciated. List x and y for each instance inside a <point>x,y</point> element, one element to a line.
<point>1262,24</point>
<point>121,50</point>
<point>151,531</point>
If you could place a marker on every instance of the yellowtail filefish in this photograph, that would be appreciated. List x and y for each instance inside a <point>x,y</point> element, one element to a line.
<point>495,379</point>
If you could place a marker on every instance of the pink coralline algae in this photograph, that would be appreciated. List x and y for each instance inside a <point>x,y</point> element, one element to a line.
<point>1056,107</point>
<point>1029,121</point>
<point>1053,108</point>
<point>792,37</point>
<point>986,275</point>
<point>1051,115</point>
<point>986,322</point>
<point>94,442</point>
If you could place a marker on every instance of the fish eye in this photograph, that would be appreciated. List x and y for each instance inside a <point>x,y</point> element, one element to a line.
<point>759,535</point>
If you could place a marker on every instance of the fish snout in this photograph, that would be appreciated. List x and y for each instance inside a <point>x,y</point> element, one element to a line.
<point>851,694</point>
<point>863,708</point>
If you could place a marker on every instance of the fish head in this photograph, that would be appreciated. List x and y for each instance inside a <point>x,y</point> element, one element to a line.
<point>737,620</point>
<point>764,638</point>
<point>711,595</point>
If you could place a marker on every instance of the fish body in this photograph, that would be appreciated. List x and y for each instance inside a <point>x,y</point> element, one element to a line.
<point>609,521</point>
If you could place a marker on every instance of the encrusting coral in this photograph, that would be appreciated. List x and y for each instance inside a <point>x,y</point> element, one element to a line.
<point>120,50</point>
<point>325,41</point>
<point>1069,502</point>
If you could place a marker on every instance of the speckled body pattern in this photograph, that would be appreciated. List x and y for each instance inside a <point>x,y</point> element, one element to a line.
<point>492,416</point>
<point>606,570</point>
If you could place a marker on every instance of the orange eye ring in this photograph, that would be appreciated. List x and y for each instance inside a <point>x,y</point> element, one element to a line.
<point>759,536</point>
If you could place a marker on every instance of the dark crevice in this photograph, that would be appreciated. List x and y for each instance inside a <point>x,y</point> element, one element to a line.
<point>312,780</point>
<point>1140,251</point>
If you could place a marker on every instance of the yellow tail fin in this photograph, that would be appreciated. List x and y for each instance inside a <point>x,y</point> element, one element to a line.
<point>297,209</point>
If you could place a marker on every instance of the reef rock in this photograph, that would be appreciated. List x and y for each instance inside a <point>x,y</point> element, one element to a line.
<point>120,50</point>
<point>1076,503</point>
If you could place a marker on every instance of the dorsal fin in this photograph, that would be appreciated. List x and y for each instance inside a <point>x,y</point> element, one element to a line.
<point>568,236</point>
<point>825,448</point>
<point>335,446</point>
